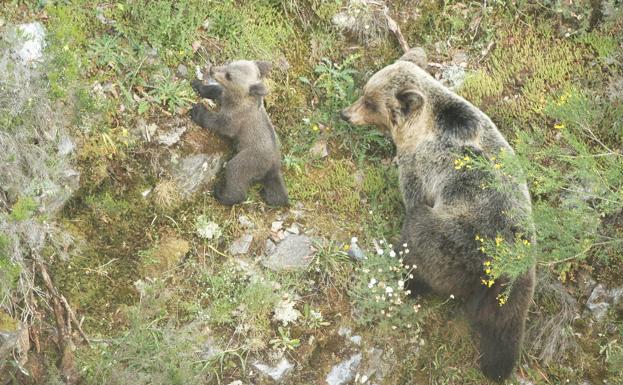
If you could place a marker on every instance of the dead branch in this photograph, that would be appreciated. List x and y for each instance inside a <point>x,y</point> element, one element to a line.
<point>395,29</point>
<point>63,327</point>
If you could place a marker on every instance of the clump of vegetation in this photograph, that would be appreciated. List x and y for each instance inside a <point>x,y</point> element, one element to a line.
<point>380,292</point>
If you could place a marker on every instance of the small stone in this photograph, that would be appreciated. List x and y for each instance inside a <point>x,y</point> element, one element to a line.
<point>344,372</point>
<point>295,252</point>
<point>293,229</point>
<point>356,340</point>
<point>276,226</point>
<point>276,372</point>
<point>355,252</point>
<point>320,149</point>
<point>452,76</point>
<point>343,331</point>
<point>173,136</point>
<point>241,245</point>
<point>182,71</point>
<point>460,58</point>
<point>601,299</point>
<point>237,382</point>
<point>31,38</point>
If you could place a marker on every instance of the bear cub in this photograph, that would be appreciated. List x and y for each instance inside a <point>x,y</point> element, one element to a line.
<point>239,91</point>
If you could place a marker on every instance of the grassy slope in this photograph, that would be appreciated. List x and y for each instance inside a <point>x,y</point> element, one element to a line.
<point>151,340</point>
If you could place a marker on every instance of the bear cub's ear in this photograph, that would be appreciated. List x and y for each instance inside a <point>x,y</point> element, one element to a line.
<point>265,67</point>
<point>410,100</point>
<point>258,89</point>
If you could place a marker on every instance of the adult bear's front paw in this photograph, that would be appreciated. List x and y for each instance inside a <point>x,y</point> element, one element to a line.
<point>196,112</point>
<point>196,85</point>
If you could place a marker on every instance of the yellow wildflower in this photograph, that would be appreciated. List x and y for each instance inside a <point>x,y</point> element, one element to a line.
<point>487,263</point>
<point>498,240</point>
<point>559,126</point>
<point>497,166</point>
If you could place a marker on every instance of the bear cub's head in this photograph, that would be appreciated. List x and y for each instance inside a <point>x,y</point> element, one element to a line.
<point>393,96</point>
<point>242,78</point>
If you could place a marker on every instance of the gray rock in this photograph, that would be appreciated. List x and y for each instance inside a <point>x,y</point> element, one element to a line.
<point>452,76</point>
<point>31,38</point>
<point>192,172</point>
<point>277,372</point>
<point>293,253</point>
<point>241,245</point>
<point>246,222</point>
<point>182,71</point>
<point>355,252</point>
<point>276,226</point>
<point>66,146</point>
<point>172,136</point>
<point>293,229</point>
<point>320,149</point>
<point>601,299</point>
<point>270,247</point>
<point>345,371</point>
<point>355,340</point>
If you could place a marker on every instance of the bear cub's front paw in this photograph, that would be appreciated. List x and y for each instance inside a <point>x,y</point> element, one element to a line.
<point>196,112</point>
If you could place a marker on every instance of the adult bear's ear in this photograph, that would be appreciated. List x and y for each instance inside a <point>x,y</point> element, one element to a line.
<point>264,67</point>
<point>416,55</point>
<point>258,89</point>
<point>410,101</point>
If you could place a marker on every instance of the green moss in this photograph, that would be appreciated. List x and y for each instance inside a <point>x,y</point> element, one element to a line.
<point>519,77</point>
<point>23,208</point>
<point>7,323</point>
<point>329,185</point>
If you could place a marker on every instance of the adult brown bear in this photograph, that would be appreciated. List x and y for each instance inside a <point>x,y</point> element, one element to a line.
<point>447,208</point>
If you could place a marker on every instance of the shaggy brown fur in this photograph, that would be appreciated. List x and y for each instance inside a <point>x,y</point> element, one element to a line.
<point>240,91</point>
<point>446,208</point>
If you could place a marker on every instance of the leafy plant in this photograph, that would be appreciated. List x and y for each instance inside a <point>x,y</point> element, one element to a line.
<point>284,341</point>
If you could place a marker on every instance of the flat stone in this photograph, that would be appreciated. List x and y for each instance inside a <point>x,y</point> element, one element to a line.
<point>276,226</point>
<point>293,229</point>
<point>452,76</point>
<point>172,136</point>
<point>320,149</point>
<point>344,372</point>
<point>601,299</point>
<point>31,39</point>
<point>241,245</point>
<point>277,372</point>
<point>193,171</point>
<point>293,253</point>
